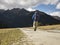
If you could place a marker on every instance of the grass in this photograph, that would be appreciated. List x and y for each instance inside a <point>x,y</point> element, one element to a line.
<point>50,27</point>
<point>9,36</point>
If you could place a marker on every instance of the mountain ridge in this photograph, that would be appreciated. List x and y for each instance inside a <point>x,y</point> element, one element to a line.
<point>17,17</point>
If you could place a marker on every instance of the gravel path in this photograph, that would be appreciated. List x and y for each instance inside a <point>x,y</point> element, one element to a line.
<point>41,37</point>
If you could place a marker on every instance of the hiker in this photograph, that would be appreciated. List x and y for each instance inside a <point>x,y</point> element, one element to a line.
<point>35,18</point>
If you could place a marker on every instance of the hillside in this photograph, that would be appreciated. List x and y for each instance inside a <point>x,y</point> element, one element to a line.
<point>22,18</point>
<point>56,17</point>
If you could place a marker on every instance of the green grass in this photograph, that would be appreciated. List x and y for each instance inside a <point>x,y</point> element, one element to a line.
<point>50,27</point>
<point>9,36</point>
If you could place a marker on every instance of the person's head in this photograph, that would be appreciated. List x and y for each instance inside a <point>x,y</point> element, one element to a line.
<point>36,11</point>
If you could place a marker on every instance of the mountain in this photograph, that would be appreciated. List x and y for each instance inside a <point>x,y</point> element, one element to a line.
<point>2,10</point>
<point>17,17</point>
<point>56,17</point>
<point>46,19</point>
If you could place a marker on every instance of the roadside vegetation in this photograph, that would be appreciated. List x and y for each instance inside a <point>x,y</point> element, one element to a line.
<point>50,27</point>
<point>10,36</point>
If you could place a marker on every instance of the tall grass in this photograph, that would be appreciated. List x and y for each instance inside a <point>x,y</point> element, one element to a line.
<point>50,27</point>
<point>9,36</point>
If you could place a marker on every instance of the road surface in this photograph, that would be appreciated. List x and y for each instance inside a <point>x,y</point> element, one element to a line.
<point>41,37</point>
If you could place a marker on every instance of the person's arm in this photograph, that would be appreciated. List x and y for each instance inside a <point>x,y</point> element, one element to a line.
<point>34,15</point>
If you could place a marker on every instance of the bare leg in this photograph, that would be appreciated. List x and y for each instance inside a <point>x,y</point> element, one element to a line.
<point>35,26</point>
<point>35,23</point>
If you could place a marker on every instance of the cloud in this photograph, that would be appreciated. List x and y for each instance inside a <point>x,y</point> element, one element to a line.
<point>9,1</point>
<point>2,6</point>
<point>55,14</point>
<point>9,4</point>
<point>54,2</point>
<point>30,9</point>
<point>58,6</point>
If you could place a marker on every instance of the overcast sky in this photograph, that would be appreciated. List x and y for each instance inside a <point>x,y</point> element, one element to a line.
<point>48,6</point>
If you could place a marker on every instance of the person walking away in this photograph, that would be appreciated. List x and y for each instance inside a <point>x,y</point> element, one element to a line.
<point>35,18</point>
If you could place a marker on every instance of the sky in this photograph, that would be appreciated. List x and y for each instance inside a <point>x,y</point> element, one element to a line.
<point>51,7</point>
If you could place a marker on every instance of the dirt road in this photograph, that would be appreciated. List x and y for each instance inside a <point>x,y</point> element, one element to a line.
<point>41,37</point>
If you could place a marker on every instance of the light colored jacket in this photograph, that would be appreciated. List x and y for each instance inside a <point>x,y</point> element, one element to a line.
<point>34,16</point>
